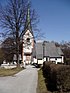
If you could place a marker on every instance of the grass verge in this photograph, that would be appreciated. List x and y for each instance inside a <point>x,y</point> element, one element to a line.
<point>41,83</point>
<point>9,72</point>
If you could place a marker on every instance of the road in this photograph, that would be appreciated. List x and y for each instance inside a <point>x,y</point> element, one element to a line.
<point>23,82</point>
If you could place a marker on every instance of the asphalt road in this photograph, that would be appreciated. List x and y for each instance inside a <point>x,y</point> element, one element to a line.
<point>23,82</point>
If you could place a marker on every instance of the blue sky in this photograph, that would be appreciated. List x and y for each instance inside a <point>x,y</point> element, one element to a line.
<point>54,18</point>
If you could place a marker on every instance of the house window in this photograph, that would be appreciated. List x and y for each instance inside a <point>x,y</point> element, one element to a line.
<point>46,59</point>
<point>55,58</point>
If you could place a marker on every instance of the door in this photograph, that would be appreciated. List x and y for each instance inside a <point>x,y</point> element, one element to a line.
<point>28,59</point>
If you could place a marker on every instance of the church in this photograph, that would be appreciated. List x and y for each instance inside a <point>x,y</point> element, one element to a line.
<point>28,41</point>
<point>38,51</point>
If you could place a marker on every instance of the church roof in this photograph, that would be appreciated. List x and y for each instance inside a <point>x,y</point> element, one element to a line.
<point>39,50</point>
<point>59,51</point>
<point>51,50</point>
<point>47,49</point>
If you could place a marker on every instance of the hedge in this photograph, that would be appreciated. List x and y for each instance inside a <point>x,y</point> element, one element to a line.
<point>58,76</point>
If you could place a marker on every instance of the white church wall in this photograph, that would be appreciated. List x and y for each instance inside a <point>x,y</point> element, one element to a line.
<point>40,61</point>
<point>27,50</point>
<point>34,60</point>
<point>52,59</point>
<point>59,60</point>
<point>56,60</point>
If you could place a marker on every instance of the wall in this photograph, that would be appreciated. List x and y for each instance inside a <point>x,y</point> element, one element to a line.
<point>56,60</point>
<point>34,60</point>
<point>40,61</point>
<point>27,48</point>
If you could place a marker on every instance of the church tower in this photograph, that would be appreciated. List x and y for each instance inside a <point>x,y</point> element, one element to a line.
<point>28,40</point>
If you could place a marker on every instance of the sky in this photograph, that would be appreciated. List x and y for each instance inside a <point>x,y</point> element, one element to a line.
<point>54,18</point>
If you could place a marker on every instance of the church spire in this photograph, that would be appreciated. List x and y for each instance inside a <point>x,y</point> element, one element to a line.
<point>28,22</point>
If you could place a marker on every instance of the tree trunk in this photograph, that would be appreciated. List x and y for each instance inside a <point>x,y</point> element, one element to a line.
<point>17,45</point>
<point>17,53</point>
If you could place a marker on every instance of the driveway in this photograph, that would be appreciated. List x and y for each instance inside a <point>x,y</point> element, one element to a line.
<point>23,82</point>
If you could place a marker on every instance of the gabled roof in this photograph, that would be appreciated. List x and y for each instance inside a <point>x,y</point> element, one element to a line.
<point>34,50</point>
<point>39,50</point>
<point>59,51</point>
<point>50,50</point>
<point>47,49</point>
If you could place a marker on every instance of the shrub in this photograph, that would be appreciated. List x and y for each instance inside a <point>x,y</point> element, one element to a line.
<point>58,76</point>
<point>67,61</point>
<point>63,78</point>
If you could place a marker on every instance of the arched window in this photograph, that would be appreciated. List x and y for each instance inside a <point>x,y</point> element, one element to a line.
<point>28,40</point>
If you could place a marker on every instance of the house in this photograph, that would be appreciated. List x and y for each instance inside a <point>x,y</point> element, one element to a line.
<point>47,51</point>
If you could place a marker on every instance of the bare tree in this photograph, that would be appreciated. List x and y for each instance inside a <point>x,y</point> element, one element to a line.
<point>12,19</point>
<point>8,48</point>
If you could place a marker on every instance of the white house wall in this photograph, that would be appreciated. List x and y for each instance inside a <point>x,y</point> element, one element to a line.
<point>40,61</point>
<point>56,60</point>
<point>37,61</point>
<point>52,59</point>
<point>59,60</point>
<point>44,58</point>
<point>62,59</point>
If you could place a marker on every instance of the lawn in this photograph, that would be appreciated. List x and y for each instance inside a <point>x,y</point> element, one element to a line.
<point>41,83</point>
<point>9,72</point>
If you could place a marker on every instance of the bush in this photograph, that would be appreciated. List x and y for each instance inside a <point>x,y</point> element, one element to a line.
<point>67,61</point>
<point>58,76</point>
